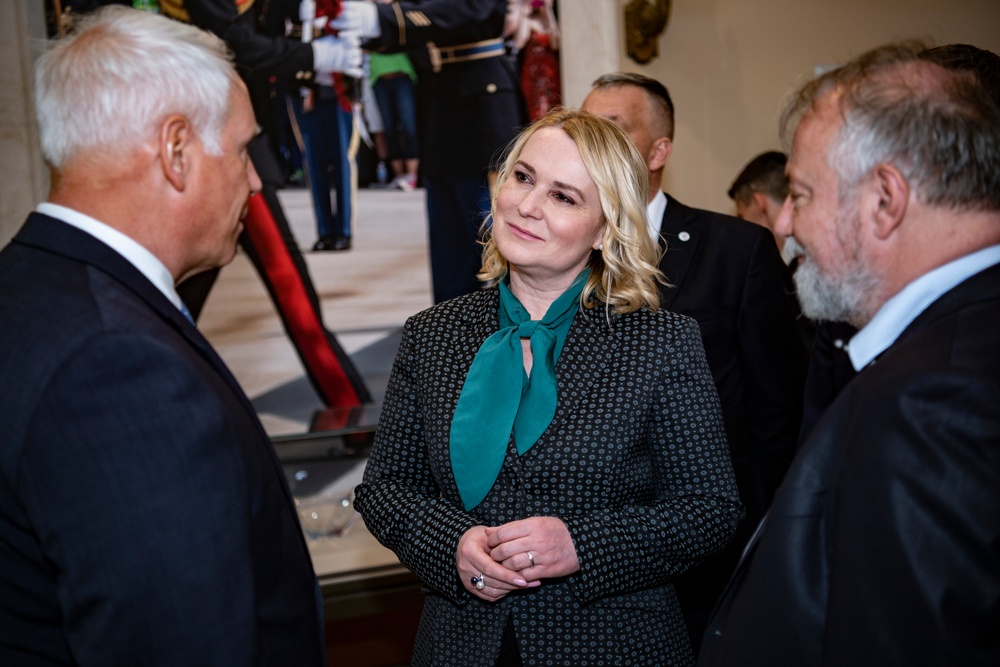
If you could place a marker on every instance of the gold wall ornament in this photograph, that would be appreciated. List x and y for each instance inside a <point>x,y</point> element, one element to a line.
<point>644,23</point>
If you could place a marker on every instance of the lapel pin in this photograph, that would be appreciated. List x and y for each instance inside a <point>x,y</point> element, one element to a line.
<point>684,236</point>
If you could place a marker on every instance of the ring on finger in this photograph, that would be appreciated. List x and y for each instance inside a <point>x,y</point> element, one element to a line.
<point>479,582</point>
<point>531,559</point>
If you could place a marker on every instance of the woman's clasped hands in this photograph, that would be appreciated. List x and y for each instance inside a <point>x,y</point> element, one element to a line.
<point>493,561</point>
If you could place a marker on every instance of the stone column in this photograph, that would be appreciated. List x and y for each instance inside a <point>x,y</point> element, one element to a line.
<point>23,175</point>
<point>592,44</point>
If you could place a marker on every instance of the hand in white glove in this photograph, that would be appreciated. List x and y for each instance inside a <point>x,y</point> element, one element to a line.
<point>338,54</point>
<point>358,17</point>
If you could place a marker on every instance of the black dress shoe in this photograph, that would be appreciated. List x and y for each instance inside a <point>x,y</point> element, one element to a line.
<point>333,243</point>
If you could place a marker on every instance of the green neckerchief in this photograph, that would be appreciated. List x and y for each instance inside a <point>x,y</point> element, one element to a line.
<point>498,398</point>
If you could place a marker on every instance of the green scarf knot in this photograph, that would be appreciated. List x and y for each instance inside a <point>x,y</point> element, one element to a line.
<point>499,399</point>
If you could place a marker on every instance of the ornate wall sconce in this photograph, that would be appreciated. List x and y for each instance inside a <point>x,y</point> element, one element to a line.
<point>644,23</point>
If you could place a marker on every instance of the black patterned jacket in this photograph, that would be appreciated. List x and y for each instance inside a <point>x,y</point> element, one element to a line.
<point>634,462</point>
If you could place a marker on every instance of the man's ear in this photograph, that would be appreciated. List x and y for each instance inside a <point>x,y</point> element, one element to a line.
<point>659,153</point>
<point>176,150</point>
<point>769,208</point>
<point>891,197</point>
<point>760,201</point>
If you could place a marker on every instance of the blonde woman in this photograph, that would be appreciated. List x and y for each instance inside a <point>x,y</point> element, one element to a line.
<point>551,451</point>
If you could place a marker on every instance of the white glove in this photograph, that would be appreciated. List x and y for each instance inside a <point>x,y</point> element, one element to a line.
<point>358,17</point>
<point>338,54</point>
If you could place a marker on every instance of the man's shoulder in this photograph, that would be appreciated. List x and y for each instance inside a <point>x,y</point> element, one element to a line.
<point>456,313</point>
<point>721,227</point>
<point>54,303</point>
<point>956,333</point>
<point>948,363</point>
<point>39,285</point>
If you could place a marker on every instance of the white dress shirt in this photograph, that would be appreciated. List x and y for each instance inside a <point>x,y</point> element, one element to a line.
<point>898,312</point>
<point>654,214</point>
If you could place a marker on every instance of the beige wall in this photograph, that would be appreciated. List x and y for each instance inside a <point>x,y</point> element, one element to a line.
<point>729,63</point>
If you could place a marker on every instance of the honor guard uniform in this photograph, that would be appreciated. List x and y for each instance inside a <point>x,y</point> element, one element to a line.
<point>471,109</point>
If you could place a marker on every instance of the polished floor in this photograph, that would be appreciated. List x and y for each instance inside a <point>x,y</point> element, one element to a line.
<point>366,295</point>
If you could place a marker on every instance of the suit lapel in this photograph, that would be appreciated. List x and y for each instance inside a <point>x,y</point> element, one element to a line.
<point>682,239</point>
<point>589,345</point>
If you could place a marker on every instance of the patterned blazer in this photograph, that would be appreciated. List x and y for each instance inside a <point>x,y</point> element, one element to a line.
<point>634,462</point>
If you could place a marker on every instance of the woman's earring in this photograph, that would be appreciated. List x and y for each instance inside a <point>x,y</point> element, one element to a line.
<point>600,246</point>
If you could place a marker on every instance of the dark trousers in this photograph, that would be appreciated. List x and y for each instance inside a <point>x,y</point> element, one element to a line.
<point>455,212</point>
<point>397,103</point>
<point>330,151</point>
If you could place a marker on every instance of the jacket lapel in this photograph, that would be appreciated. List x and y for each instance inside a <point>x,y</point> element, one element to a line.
<point>589,345</point>
<point>682,239</point>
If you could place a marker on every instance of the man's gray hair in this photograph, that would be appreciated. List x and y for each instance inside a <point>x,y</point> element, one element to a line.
<point>937,127</point>
<point>111,83</point>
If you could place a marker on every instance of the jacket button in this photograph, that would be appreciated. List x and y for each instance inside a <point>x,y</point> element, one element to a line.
<point>491,88</point>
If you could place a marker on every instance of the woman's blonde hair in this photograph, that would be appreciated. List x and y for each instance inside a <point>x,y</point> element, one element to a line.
<point>623,273</point>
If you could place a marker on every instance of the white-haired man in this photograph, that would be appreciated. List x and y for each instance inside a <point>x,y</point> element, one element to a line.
<point>144,518</point>
<point>881,545</point>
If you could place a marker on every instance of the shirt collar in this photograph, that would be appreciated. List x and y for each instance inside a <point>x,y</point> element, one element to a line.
<point>654,214</point>
<point>143,260</point>
<point>898,312</point>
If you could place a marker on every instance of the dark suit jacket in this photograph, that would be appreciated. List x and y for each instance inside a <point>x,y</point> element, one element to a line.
<point>144,518</point>
<point>728,275</point>
<point>829,371</point>
<point>881,547</point>
<point>633,462</point>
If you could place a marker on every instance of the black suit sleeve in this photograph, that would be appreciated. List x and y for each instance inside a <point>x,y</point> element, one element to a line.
<point>256,53</point>
<point>773,360</point>
<point>400,498</point>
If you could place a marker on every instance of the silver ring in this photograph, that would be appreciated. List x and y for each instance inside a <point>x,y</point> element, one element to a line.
<point>531,559</point>
<point>479,582</point>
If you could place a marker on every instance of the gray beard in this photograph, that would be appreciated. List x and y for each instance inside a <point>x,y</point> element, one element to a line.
<point>833,298</point>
